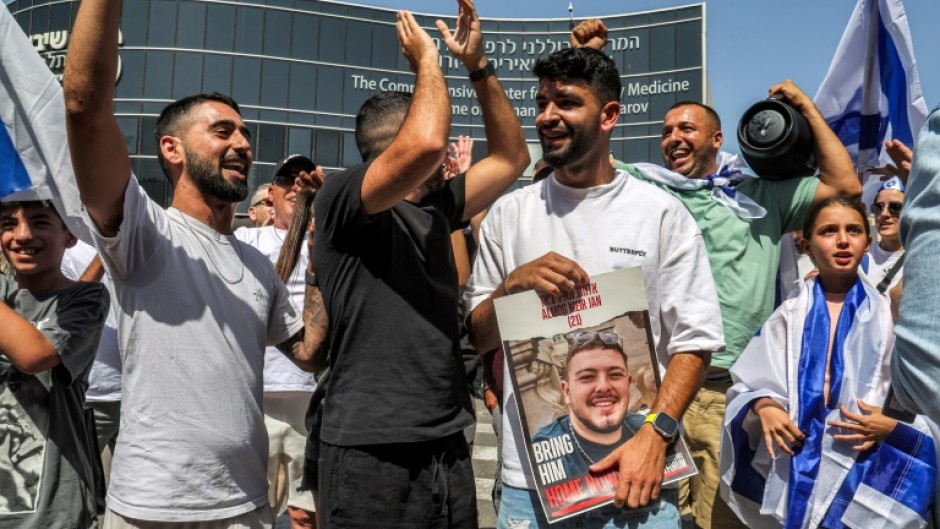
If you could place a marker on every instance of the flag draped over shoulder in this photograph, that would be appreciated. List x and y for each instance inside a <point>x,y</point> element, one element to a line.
<point>826,483</point>
<point>34,156</point>
<point>872,91</point>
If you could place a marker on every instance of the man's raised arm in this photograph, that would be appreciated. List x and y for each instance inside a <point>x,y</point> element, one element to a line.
<point>419,148</point>
<point>99,155</point>
<point>508,154</point>
<point>837,175</point>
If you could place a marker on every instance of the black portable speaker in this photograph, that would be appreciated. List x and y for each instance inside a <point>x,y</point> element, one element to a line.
<point>776,141</point>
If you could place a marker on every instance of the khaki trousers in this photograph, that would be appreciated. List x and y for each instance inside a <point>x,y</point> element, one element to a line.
<point>702,425</point>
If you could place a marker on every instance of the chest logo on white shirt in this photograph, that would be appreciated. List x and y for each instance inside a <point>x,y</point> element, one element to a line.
<point>261,301</point>
<point>628,251</point>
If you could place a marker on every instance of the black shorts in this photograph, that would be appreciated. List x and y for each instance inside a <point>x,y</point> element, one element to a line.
<point>398,486</point>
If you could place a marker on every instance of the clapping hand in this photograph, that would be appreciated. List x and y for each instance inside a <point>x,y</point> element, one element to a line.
<point>466,41</point>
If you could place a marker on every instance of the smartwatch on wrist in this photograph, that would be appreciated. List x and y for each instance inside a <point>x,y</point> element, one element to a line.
<point>664,425</point>
<point>311,279</point>
<point>482,73</point>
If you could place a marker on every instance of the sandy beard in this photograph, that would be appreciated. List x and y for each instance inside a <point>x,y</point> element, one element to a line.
<point>592,421</point>
<point>209,180</point>
<point>604,426</point>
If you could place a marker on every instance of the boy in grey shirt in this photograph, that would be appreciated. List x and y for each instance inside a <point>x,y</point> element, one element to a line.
<point>51,326</point>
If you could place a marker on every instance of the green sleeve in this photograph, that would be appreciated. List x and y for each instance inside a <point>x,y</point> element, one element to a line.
<point>628,168</point>
<point>786,200</point>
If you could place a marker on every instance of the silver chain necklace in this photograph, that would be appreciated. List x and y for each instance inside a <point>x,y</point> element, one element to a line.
<point>241,273</point>
<point>576,443</point>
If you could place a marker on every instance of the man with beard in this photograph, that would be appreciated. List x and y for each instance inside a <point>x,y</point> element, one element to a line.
<point>287,388</point>
<point>744,251</point>
<point>195,306</point>
<point>397,402</point>
<point>742,231</point>
<point>596,386</point>
<point>551,251</point>
<point>743,242</point>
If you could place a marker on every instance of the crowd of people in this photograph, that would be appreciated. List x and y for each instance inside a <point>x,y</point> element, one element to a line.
<point>322,362</point>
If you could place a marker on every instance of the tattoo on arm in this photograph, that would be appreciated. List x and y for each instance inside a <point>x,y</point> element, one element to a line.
<point>309,349</point>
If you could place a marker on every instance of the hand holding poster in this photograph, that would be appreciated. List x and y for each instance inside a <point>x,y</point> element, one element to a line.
<point>584,374</point>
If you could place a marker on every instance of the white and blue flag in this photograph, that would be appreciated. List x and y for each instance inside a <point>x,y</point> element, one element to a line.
<point>825,482</point>
<point>872,91</point>
<point>35,163</point>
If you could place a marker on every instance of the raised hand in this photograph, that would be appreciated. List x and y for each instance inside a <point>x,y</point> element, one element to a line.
<point>459,157</point>
<point>308,180</point>
<point>416,44</point>
<point>794,95</point>
<point>591,33</point>
<point>463,152</point>
<point>466,41</point>
<point>902,158</point>
<point>450,167</point>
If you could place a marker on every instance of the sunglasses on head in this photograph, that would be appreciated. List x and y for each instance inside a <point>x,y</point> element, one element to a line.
<point>894,208</point>
<point>609,338</point>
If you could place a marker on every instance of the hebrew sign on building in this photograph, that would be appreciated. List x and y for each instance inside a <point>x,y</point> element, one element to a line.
<point>300,69</point>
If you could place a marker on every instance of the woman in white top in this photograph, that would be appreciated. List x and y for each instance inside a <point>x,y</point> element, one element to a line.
<point>884,255</point>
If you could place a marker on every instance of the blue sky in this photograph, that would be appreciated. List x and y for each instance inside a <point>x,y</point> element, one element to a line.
<point>751,44</point>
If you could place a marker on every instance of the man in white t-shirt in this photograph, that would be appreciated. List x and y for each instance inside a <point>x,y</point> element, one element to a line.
<point>586,218</point>
<point>287,388</point>
<point>196,307</point>
<point>883,256</point>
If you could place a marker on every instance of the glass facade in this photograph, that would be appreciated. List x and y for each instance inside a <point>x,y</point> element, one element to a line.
<point>300,69</point>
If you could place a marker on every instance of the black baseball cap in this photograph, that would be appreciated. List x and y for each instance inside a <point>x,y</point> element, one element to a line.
<point>306,164</point>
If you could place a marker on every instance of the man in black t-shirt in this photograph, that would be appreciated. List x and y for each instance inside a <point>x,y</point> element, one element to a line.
<point>396,402</point>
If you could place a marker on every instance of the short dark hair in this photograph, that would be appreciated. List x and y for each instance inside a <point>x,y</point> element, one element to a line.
<point>174,116</point>
<point>708,110</point>
<point>838,200</point>
<point>585,65</point>
<point>378,122</point>
<point>24,204</point>
<point>595,343</point>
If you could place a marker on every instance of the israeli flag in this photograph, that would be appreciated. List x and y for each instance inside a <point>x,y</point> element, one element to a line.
<point>872,91</point>
<point>35,163</point>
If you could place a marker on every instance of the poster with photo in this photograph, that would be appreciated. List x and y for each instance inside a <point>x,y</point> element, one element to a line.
<point>584,372</point>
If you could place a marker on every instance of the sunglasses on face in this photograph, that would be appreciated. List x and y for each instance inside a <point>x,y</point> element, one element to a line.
<point>285,180</point>
<point>894,208</point>
<point>260,202</point>
<point>609,338</point>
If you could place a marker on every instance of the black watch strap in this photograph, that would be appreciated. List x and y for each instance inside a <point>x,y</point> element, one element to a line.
<point>311,279</point>
<point>482,73</point>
